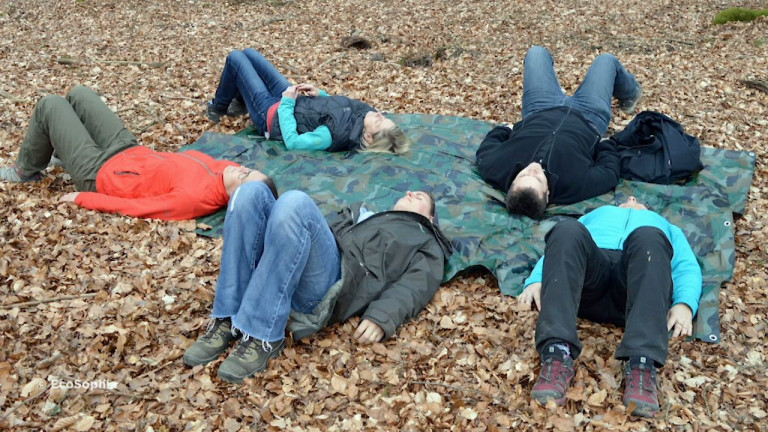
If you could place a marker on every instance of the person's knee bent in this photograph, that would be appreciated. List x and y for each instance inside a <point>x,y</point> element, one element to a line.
<point>236,57</point>
<point>249,52</point>
<point>606,58</point>
<point>79,93</point>
<point>569,230</point>
<point>649,238</point>
<point>537,51</point>
<point>291,208</point>
<point>248,195</point>
<point>50,104</point>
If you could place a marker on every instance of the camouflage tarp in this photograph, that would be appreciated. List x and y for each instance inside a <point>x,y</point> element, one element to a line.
<point>472,214</point>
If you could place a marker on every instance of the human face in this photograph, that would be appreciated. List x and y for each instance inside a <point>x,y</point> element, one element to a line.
<point>235,175</point>
<point>532,177</point>
<point>633,204</point>
<point>417,202</point>
<point>373,123</point>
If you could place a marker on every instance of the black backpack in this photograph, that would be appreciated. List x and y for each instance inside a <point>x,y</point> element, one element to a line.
<point>655,149</point>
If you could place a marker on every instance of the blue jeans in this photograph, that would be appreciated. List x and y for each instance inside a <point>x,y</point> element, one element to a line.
<point>278,255</point>
<point>606,78</point>
<point>250,76</point>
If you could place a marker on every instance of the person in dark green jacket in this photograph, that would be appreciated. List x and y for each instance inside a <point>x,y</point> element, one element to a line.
<point>302,116</point>
<point>282,260</point>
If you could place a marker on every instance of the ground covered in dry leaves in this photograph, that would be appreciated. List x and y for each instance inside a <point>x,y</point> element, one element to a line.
<point>134,293</point>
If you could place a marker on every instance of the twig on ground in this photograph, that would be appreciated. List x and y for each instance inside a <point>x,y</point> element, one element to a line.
<point>334,58</point>
<point>49,300</point>
<point>155,118</point>
<point>275,19</point>
<point>756,84</point>
<point>455,387</point>
<point>146,127</point>
<point>154,370</point>
<point>10,96</point>
<point>125,394</point>
<point>72,61</point>
<point>25,401</point>
<point>182,98</point>
<point>47,362</point>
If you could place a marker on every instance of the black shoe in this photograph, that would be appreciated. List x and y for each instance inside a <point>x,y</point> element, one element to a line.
<point>628,106</point>
<point>212,114</point>
<point>236,108</point>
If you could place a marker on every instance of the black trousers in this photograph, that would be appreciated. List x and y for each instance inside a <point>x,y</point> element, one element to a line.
<point>631,288</point>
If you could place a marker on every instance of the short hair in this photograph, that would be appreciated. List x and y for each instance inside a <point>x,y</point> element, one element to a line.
<point>526,202</point>
<point>392,140</point>
<point>270,182</point>
<point>432,207</point>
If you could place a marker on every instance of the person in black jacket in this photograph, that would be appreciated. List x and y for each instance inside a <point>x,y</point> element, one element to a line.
<point>302,116</point>
<point>555,154</point>
<point>282,260</point>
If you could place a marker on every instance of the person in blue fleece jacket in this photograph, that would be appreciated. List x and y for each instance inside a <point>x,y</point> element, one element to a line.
<point>624,265</point>
<point>302,116</point>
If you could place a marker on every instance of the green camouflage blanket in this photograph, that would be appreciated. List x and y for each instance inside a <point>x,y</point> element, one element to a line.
<point>472,214</point>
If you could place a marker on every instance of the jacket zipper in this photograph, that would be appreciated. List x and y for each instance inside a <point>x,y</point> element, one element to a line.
<point>626,225</point>
<point>207,168</point>
<point>554,135</point>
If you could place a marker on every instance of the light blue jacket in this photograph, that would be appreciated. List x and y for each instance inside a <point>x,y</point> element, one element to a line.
<point>610,226</point>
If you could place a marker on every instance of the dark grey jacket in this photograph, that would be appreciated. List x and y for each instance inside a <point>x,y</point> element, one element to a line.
<point>343,116</point>
<point>391,266</point>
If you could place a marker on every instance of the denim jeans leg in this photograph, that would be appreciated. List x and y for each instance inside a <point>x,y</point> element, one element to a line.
<point>244,229</point>
<point>606,78</point>
<point>227,89</point>
<point>541,89</point>
<point>275,82</point>
<point>240,78</point>
<point>299,264</point>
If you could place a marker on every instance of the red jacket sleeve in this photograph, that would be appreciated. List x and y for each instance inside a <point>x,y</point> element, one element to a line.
<point>171,206</point>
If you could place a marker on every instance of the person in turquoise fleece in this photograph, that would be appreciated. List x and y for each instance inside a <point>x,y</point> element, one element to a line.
<point>302,116</point>
<point>624,265</point>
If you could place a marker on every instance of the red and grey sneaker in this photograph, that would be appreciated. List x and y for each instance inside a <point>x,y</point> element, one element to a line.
<point>640,386</point>
<point>556,374</point>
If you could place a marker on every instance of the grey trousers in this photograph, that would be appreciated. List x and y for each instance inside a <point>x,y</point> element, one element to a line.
<point>82,130</point>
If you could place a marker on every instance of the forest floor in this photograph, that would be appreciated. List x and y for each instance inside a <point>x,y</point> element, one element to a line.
<point>143,289</point>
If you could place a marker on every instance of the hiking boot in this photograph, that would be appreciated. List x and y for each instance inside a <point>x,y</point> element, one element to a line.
<point>12,174</point>
<point>250,356</point>
<point>556,374</point>
<point>628,105</point>
<point>640,386</point>
<point>236,108</point>
<point>209,346</point>
<point>212,114</point>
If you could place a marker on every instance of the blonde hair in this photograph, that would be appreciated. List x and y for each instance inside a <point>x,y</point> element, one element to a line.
<point>392,140</point>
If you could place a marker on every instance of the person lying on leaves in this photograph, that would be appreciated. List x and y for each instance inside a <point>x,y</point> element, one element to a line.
<point>624,265</point>
<point>112,173</point>
<point>282,260</point>
<point>302,116</point>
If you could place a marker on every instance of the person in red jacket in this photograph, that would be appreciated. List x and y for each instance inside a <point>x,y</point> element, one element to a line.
<point>113,173</point>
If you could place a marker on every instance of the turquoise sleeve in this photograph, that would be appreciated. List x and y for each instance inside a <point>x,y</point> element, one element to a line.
<point>535,276</point>
<point>318,139</point>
